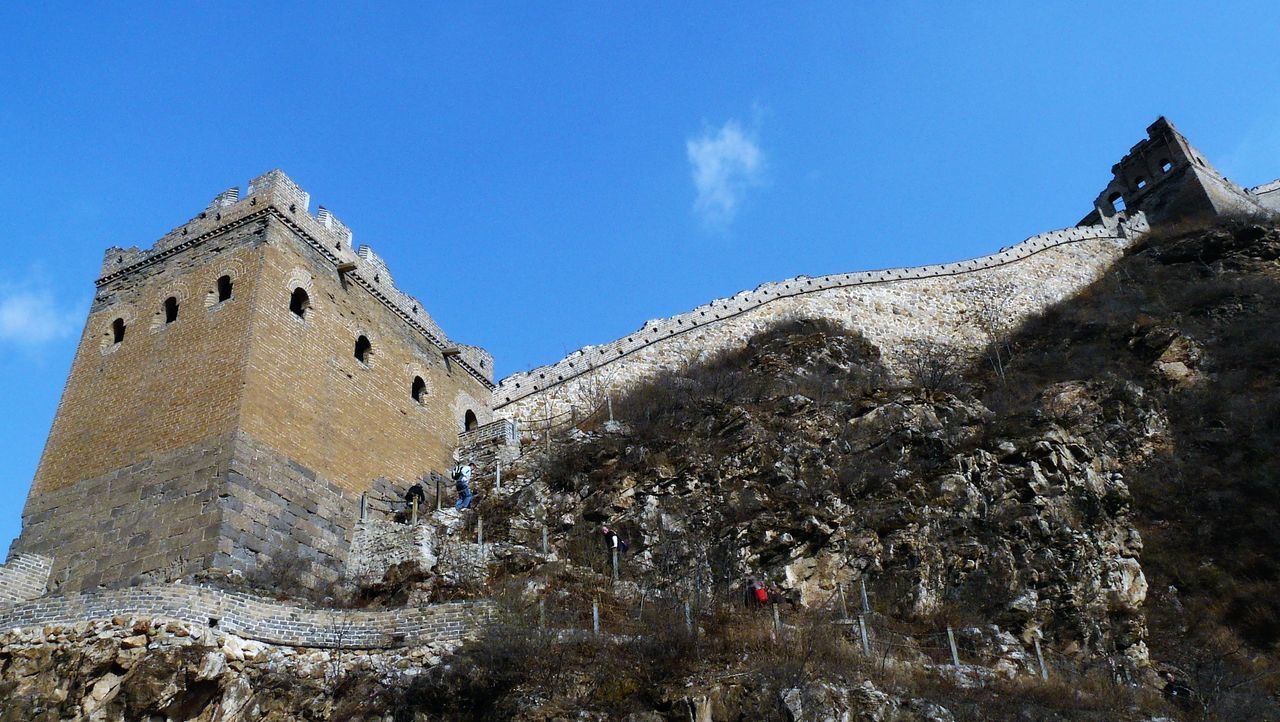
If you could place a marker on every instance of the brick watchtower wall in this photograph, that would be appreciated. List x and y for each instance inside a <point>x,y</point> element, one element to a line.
<point>240,430</point>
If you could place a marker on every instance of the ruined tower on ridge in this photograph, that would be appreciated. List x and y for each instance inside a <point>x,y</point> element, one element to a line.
<point>1166,178</point>
<point>237,387</point>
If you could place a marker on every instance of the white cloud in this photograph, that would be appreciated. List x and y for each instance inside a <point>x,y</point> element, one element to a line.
<point>725,163</point>
<point>34,316</point>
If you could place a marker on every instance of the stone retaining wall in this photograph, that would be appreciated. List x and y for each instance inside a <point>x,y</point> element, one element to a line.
<point>891,307</point>
<point>252,617</point>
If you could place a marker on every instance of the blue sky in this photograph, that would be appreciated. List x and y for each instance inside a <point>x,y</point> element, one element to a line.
<point>546,178</point>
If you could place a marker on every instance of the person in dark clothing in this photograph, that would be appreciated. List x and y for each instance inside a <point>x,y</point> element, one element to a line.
<point>415,492</point>
<point>612,541</point>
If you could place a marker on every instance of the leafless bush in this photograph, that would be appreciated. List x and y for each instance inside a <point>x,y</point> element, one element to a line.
<point>933,367</point>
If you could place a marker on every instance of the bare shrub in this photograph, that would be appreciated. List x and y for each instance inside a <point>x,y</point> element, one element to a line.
<point>933,367</point>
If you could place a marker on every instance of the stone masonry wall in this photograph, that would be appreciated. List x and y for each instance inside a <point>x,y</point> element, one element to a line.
<point>256,618</point>
<point>1268,195</point>
<point>271,506</point>
<point>893,308</point>
<point>379,544</point>
<point>23,577</point>
<point>152,521</point>
<point>229,502</point>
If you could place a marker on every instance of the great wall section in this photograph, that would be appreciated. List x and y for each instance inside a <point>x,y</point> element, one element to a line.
<point>939,305</point>
<point>893,308</point>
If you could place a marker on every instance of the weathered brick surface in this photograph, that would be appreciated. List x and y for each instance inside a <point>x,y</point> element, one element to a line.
<point>308,397</point>
<point>166,386</point>
<point>23,577</point>
<point>255,618</point>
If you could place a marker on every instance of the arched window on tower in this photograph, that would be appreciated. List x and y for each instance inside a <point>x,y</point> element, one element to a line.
<point>299,302</point>
<point>117,330</point>
<point>470,422</point>
<point>224,288</point>
<point>170,309</point>
<point>419,390</point>
<point>364,349</point>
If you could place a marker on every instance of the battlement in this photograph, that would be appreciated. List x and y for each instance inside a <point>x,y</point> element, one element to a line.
<point>274,193</point>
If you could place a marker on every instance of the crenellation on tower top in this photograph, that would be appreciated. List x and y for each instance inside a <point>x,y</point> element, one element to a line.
<point>326,218</point>
<point>274,190</point>
<point>381,274</point>
<point>224,199</point>
<point>276,183</point>
<point>116,258</point>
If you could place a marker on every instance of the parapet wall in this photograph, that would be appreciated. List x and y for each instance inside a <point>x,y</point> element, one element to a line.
<point>893,308</point>
<point>260,619</point>
<point>1268,195</point>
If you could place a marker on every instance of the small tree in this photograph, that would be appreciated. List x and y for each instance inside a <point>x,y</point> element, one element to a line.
<point>991,314</point>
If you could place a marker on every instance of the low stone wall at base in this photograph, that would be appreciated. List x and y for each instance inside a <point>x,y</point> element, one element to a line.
<point>264,620</point>
<point>23,577</point>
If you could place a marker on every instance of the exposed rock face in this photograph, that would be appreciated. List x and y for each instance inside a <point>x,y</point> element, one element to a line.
<point>124,670</point>
<point>793,464</point>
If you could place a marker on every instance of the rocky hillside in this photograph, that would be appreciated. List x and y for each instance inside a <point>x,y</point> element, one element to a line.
<point>1101,485</point>
<point>1103,480</point>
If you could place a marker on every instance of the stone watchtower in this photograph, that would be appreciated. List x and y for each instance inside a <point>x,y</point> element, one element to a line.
<point>1168,179</point>
<point>237,387</point>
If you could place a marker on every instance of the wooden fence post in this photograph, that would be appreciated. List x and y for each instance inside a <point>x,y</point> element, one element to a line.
<point>544,539</point>
<point>480,532</point>
<point>497,477</point>
<point>595,616</point>
<point>862,631</point>
<point>437,493</point>
<point>866,605</point>
<point>951,639</point>
<point>413,511</point>
<point>615,564</point>
<point>364,506</point>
